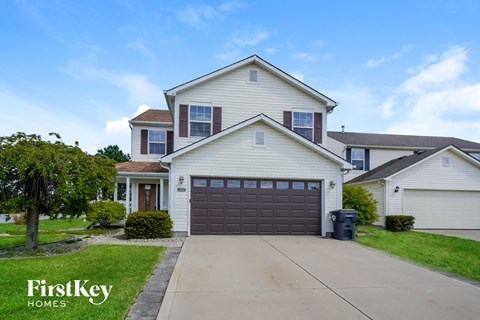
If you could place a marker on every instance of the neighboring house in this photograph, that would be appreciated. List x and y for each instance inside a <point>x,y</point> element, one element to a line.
<point>367,151</point>
<point>439,187</point>
<point>241,150</point>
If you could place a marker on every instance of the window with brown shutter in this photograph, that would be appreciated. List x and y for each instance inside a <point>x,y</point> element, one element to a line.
<point>144,141</point>
<point>217,119</point>
<point>183,120</point>
<point>169,142</point>
<point>287,119</point>
<point>317,130</point>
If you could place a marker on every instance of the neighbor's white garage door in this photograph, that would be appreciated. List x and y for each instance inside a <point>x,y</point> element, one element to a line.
<point>443,209</point>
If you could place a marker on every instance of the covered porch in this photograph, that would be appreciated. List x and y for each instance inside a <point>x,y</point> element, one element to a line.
<point>141,186</point>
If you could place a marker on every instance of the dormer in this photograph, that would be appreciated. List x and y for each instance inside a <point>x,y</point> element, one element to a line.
<point>152,135</point>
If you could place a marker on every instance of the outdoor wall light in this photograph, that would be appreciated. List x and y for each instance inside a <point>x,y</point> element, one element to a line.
<point>397,188</point>
<point>332,184</point>
<point>181,179</point>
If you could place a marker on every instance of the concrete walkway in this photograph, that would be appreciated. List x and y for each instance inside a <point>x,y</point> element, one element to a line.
<point>273,277</point>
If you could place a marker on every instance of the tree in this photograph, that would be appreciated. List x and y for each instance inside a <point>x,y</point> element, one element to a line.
<point>114,152</point>
<point>52,178</point>
<point>360,199</point>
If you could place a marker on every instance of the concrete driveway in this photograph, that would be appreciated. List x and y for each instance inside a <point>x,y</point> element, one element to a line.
<point>274,277</point>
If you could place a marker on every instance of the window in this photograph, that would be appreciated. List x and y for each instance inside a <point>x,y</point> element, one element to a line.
<point>298,185</point>
<point>313,185</point>
<point>156,142</point>
<point>252,76</point>
<point>250,184</point>
<point>259,140</point>
<point>200,121</point>
<point>358,159</point>
<point>303,124</point>
<point>446,161</point>
<point>200,182</point>
<point>266,184</point>
<point>233,183</point>
<point>216,183</point>
<point>282,184</point>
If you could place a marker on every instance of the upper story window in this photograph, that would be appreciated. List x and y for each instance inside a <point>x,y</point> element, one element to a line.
<point>252,76</point>
<point>200,121</point>
<point>157,142</point>
<point>302,123</point>
<point>359,158</point>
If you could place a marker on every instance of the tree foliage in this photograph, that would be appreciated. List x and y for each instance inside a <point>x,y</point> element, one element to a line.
<point>113,152</point>
<point>360,199</point>
<point>49,177</point>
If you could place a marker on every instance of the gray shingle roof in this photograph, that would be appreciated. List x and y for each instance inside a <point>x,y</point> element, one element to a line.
<point>401,141</point>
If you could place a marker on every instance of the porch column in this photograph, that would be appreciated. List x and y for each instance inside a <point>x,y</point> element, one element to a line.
<point>161,195</point>
<point>115,192</point>
<point>127,202</point>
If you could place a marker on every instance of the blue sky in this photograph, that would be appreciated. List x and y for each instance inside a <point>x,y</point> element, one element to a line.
<point>83,68</point>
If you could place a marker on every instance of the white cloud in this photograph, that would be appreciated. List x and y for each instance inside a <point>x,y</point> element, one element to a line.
<point>437,100</point>
<point>372,63</point>
<point>137,86</point>
<point>199,16</point>
<point>249,37</point>
<point>450,66</point>
<point>271,50</point>
<point>319,43</point>
<point>25,115</point>
<point>305,56</point>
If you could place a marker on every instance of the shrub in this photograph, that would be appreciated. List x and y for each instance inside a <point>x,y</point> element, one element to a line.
<point>360,199</point>
<point>399,223</point>
<point>20,218</point>
<point>105,212</point>
<point>148,225</point>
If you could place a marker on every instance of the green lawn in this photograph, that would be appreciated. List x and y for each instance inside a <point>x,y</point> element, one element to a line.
<point>49,231</point>
<point>450,254</point>
<point>125,267</point>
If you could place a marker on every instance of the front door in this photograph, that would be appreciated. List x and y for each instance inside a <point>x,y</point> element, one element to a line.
<point>147,195</point>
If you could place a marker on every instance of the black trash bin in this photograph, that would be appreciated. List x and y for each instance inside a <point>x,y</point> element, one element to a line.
<point>344,224</point>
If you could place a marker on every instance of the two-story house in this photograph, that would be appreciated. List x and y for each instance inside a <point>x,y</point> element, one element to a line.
<point>248,155</point>
<point>435,179</point>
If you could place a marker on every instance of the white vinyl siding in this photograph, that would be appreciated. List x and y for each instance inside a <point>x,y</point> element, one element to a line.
<point>236,157</point>
<point>377,188</point>
<point>240,100</point>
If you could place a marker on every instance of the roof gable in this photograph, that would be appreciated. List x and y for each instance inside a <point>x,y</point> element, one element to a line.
<point>399,165</point>
<point>154,115</point>
<point>254,59</point>
<point>272,123</point>
<point>400,141</point>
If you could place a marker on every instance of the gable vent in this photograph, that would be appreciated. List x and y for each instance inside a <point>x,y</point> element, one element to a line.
<point>253,75</point>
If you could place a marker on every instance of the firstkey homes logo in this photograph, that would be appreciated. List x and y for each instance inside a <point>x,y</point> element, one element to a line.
<point>96,294</point>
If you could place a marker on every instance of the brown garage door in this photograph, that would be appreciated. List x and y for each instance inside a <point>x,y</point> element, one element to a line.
<point>255,206</point>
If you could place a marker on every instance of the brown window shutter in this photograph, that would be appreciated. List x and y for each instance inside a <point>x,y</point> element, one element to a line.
<point>144,141</point>
<point>183,120</point>
<point>169,142</point>
<point>317,127</point>
<point>287,119</point>
<point>217,119</point>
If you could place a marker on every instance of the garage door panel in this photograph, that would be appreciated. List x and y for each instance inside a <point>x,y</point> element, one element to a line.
<point>439,209</point>
<point>250,210</point>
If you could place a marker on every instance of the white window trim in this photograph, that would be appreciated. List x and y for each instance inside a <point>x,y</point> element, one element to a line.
<point>165,143</point>
<point>304,127</point>
<point>200,104</point>
<point>248,76</point>
<point>254,140</point>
